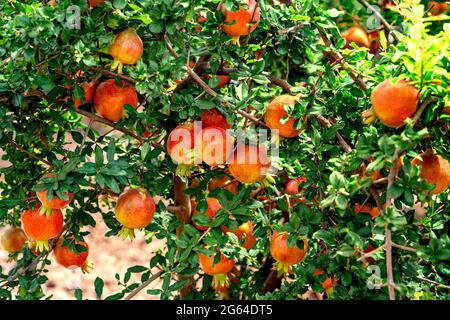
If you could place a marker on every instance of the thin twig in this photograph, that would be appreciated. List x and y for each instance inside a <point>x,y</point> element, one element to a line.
<point>377,14</point>
<point>143,285</point>
<point>371,253</point>
<point>433,282</point>
<point>112,74</point>
<point>399,246</point>
<point>31,154</point>
<point>290,29</point>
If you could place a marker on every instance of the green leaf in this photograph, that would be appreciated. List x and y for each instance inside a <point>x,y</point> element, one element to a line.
<point>99,284</point>
<point>98,157</point>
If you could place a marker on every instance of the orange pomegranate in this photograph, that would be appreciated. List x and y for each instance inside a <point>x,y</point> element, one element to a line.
<point>89,89</point>
<point>217,270</point>
<point>328,284</point>
<point>374,212</point>
<point>223,182</point>
<point>180,144</point>
<point>134,210</point>
<point>13,239</point>
<point>41,228</point>
<point>213,145</point>
<point>213,118</point>
<point>356,35</point>
<point>436,8</point>
<point>275,113</point>
<point>249,164</point>
<point>293,185</point>
<point>95,3</point>
<point>392,103</point>
<point>110,99</point>
<point>242,22</point>
<point>213,206</point>
<point>71,260</point>
<point>435,170</point>
<point>285,256</point>
<point>126,48</point>
<point>374,40</point>
<point>246,229</point>
<point>55,202</point>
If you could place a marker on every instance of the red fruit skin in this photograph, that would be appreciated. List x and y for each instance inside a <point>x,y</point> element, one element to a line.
<point>246,19</point>
<point>393,103</point>
<point>69,259</point>
<point>180,143</point>
<point>275,113</point>
<point>213,118</point>
<point>292,186</point>
<point>42,227</point>
<point>245,228</point>
<point>55,203</point>
<point>282,253</point>
<point>214,145</point>
<point>356,35</point>
<point>126,47</point>
<point>374,39</point>
<point>202,18</point>
<point>206,263</point>
<point>249,164</point>
<point>110,99</point>
<point>223,183</point>
<point>369,248</point>
<point>13,239</point>
<point>213,206</point>
<point>434,170</point>
<point>223,81</point>
<point>89,89</point>
<point>135,209</point>
<point>95,3</point>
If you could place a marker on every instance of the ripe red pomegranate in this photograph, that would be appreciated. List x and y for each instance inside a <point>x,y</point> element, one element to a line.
<point>356,35</point>
<point>180,144</point>
<point>222,80</point>
<point>374,40</point>
<point>213,118</point>
<point>110,99</point>
<point>126,48</point>
<point>134,210</point>
<point>374,212</point>
<point>242,22</point>
<point>213,206</point>
<point>250,164</point>
<point>285,256</point>
<point>13,239</point>
<point>95,3</point>
<point>392,103</point>
<point>293,185</point>
<point>217,270</point>
<point>223,182</point>
<point>246,229</point>
<point>71,260</point>
<point>328,284</point>
<point>213,145</point>
<point>89,89</point>
<point>41,228</point>
<point>275,114</point>
<point>435,170</point>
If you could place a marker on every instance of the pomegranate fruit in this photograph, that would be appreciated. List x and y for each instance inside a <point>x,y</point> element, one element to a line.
<point>293,185</point>
<point>392,103</point>
<point>213,145</point>
<point>328,284</point>
<point>71,260</point>
<point>41,228</point>
<point>126,48</point>
<point>249,164</point>
<point>242,22</point>
<point>110,99</point>
<point>13,239</point>
<point>374,40</point>
<point>217,270</point>
<point>89,89</point>
<point>134,210</point>
<point>436,8</point>
<point>213,206</point>
<point>435,170</point>
<point>223,182</point>
<point>374,212</point>
<point>356,35</point>
<point>95,3</point>
<point>244,230</point>
<point>180,144</point>
<point>276,113</point>
<point>285,256</point>
<point>213,118</point>
<point>201,18</point>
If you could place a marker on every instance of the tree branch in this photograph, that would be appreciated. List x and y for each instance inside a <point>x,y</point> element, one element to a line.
<point>377,14</point>
<point>112,74</point>
<point>31,154</point>
<point>143,285</point>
